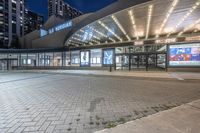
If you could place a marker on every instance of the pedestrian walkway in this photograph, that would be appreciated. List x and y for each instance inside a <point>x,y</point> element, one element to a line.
<point>135,74</point>
<point>182,119</point>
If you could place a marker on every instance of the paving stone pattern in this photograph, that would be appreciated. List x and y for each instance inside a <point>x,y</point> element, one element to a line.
<point>61,103</point>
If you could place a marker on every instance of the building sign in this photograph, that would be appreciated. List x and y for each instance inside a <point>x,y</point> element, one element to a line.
<point>63,26</point>
<point>165,41</point>
<point>85,58</point>
<point>108,56</point>
<point>56,29</point>
<point>184,55</point>
<point>190,39</point>
<point>138,43</point>
<point>43,32</point>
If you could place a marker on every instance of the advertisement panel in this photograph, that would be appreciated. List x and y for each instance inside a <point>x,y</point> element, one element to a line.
<point>85,58</point>
<point>108,56</point>
<point>184,55</point>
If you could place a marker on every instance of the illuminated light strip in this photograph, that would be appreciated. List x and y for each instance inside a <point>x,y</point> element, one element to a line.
<point>174,3</point>
<point>96,37</point>
<point>70,41</point>
<point>92,40</point>
<point>82,31</point>
<point>120,26</point>
<point>132,17</point>
<point>190,27</point>
<point>185,17</point>
<point>150,11</point>
<point>77,39</point>
<point>197,28</point>
<point>73,42</point>
<point>100,33</point>
<point>103,25</point>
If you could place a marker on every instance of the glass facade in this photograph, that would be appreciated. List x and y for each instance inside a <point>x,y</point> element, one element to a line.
<point>57,59</point>
<point>75,59</point>
<point>120,58</point>
<point>96,57</point>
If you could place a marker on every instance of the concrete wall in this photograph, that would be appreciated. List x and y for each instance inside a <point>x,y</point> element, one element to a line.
<point>54,40</point>
<point>26,41</point>
<point>52,21</point>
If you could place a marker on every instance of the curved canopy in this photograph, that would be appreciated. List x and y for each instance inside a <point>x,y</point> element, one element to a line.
<point>150,20</point>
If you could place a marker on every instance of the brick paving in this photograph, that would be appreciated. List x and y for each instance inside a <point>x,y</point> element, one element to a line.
<point>61,103</point>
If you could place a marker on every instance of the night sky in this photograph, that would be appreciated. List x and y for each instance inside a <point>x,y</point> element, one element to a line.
<point>40,6</point>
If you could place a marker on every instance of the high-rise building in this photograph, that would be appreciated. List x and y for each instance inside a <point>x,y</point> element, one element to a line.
<point>59,7</point>
<point>70,12</point>
<point>11,21</point>
<point>32,21</point>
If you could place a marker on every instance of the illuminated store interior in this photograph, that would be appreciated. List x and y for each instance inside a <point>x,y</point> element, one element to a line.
<point>155,35</point>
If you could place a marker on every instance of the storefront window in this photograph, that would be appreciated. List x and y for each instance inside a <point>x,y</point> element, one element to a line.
<point>57,59</point>
<point>24,59</point>
<point>32,59</point>
<point>49,59</point>
<point>75,58</point>
<point>14,60</point>
<point>67,59</point>
<point>96,55</point>
<point>41,59</point>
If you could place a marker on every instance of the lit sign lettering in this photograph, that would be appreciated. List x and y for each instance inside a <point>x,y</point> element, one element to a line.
<point>43,32</point>
<point>169,40</point>
<point>190,39</point>
<point>51,30</point>
<point>138,43</point>
<point>63,26</point>
<point>55,29</point>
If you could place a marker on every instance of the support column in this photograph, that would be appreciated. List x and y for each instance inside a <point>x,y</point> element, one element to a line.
<point>147,62</point>
<point>166,62</point>
<point>44,59</point>
<point>156,60</point>
<point>129,62</point>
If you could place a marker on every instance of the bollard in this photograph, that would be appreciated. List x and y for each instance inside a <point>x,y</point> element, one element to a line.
<point>110,68</point>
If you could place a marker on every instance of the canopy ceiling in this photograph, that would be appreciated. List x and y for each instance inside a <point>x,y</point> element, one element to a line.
<point>151,20</point>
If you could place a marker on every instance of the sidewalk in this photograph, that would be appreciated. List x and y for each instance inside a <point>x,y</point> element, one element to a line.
<point>182,119</point>
<point>135,74</point>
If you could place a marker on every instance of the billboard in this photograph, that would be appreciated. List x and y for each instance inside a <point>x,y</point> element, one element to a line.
<point>85,58</point>
<point>108,56</point>
<point>185,55</point>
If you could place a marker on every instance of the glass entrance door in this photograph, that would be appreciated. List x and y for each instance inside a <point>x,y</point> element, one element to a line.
<point>134,61</point>
<point>142,61</point>
<point>3,65</point>
<point>138,61</point>
<point>148,61</point>
<point>152,63</point>
<point>122,62</point>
